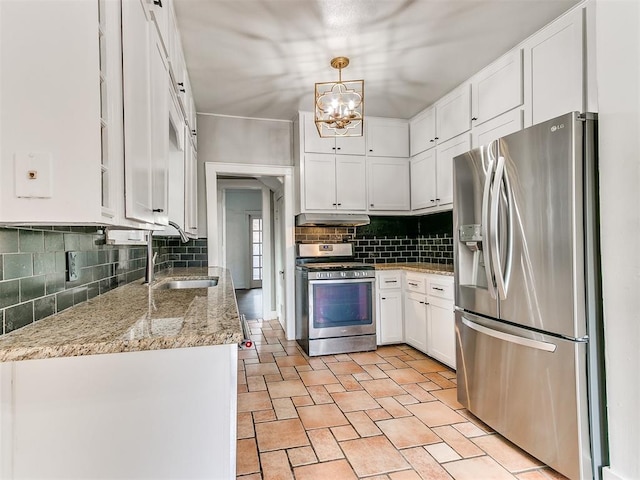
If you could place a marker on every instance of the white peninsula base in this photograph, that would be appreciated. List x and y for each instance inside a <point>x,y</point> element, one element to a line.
<point>145,415</point>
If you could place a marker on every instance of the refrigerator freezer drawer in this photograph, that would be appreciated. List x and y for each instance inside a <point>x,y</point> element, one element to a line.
<point>529,387</point>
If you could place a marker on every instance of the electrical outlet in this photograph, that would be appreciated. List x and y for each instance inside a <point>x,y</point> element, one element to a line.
<point>73,269</point>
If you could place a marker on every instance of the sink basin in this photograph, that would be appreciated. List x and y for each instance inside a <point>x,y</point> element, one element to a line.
<point>195,283</point>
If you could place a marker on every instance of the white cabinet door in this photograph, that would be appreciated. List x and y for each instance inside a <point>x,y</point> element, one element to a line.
<point>422,131</point>
<point>159,132</point>
<point>498,88</point>
<point>350,145</point>
<point>191,190</point>
<point>505,124</point>
<point>387,137</point>
<point>319,182</point>
<point>313,143</point>
<point>444,167</point>
<point>388,180</point>
<point>553,61</point>
<point>423,180</point>
<point>159,10</point>
<point>453,113</point>
<point>351,183</point>
<point>415,320</point>
<point>136,52</point>
<point>390,326</point>
<point>441,343</point>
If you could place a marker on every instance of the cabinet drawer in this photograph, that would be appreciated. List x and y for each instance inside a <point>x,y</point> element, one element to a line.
<point>415,283</point>
<point>389,280</point>
<point>440,289</point>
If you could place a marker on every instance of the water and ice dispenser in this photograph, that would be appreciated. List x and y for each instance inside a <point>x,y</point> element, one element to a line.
<point>472,271</point>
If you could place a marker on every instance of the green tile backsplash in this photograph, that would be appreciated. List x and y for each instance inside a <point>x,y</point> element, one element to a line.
<point>33,281</point>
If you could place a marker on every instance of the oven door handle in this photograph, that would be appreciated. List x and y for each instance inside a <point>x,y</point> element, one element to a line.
<point>342,280</point>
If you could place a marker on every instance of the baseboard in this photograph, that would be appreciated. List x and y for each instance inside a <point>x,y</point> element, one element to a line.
<point>608,474</point>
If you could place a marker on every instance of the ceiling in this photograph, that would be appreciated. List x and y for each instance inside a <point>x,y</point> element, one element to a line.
<point>261,58</point>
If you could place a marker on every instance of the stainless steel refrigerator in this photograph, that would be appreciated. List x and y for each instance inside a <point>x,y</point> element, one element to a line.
<point>527,291</point>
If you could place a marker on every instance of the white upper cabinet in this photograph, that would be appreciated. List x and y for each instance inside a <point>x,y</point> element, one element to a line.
<point>422,131</point>
<point>313,143</point>
<point>495,128</point>
<point>388,180</point>
<point>334,182</point>
<point>159,10</point>
<point>444,166</point>
<point>453,113</point>
<point>553,62</point>
<point>387,137</point>
<point>497,89</point>
<point>423,180</point>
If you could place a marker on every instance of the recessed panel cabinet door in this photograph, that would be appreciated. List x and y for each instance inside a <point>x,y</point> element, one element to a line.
<point>159,133</point>
<point>319,182</point>
<point>390,314</point>
<point>388,183</point>
<point>351,185</point>
<point>453,113</point>
<point>444,168</point>
<point>422,132</point>
<point>415,321</point>
<point>137,111</point>
<point>441,333</point>
<point>423,180</point>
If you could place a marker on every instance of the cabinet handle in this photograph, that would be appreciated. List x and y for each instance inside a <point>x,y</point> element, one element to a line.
<point>474,119</point>
<point>339,204</point>
<point>433,201</point>
<point>439,289</point>
<point>437,199</point>
<point>432,140</point>
<point>158,3</point>
<point>383,298</point>
<point>413,284</point>
<point>158,210</point>
<point>371,205</point>
<point>339,148</point>
<point>371,150</point>
<point>390,281</point>
<point>193,132</point>
<point>437,138</point>
<point>334,204</point>
<point>333,148</point>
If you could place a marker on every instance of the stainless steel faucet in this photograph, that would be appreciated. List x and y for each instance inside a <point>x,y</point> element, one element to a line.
<point>183,235</point>
<point>151,257</point>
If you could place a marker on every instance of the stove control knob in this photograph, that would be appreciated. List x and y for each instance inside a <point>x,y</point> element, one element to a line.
<point>343,274</point>
<point>356,274</point>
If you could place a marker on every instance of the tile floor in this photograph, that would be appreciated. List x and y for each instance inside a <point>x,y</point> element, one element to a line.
<point>385,415</point>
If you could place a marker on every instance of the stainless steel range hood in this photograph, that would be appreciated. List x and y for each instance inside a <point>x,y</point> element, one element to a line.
<point>331,220</point>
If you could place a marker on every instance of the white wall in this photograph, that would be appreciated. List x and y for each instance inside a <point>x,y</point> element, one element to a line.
<point>239,203</point>
<point>618,78</point>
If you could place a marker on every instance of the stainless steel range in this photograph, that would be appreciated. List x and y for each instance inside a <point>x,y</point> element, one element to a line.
<point>335,307</point>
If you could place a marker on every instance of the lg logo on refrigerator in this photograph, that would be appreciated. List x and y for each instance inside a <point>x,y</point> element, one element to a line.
<point>555,128</point>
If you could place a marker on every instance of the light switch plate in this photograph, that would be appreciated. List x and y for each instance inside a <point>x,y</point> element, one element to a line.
<point>33,174</point>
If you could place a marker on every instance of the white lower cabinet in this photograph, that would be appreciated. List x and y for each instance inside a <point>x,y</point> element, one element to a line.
<point>419,314</point>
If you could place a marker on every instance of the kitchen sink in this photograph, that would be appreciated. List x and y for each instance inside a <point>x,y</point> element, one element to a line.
<point>192,283</point>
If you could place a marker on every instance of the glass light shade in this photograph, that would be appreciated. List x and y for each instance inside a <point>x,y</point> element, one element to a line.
<point>339,108</point>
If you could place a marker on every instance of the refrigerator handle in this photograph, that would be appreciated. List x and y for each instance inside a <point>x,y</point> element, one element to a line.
<point>510,224</point>
<point>508,337</point>
<point>493,229</point>
<point>486,248</point>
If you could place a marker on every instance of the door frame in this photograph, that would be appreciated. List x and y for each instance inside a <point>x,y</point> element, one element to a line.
<point>215,240</point>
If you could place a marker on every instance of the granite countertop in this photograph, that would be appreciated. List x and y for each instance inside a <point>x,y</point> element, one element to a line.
<point>135,317</point>
<point>434,268</point>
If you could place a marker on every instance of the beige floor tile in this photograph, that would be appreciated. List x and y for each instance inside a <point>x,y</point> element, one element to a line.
<point>343,357</point>
<point>375,372</point>
<point>252,401</point>
<point>405,375</point>
<point>286,388</point>
<point>289,373</point>
<point>367,358</point>
<point>363,424</point>
<point>379,477</point>
<point>321,416</point>
<point>243,388</point>
<point>476,421</point>
<point>325,445</point>
<point>429,386</point>
<point>328,359</point>
<point>247,457</point>
<point>244,426</point>
<point>256,384</point>
<point>349,383</point>
<point>385,366</point>
<point>335,388</point>
<point>506,453</point>
<point>385,460</point>
<point>242,378</point>
<point>264,416</point>
<point>276,377</point>
<point>440,380</point>
<point>301,456</point>
<point>343,368</point>
<point>346,432</point>
<point>352,401</point>
<point>362,376</point>
<point>425,366</point>
<point>302,401</point>
<point>448,396</point>
<point>468,429</point>
<point>275,466</point>
<point>434,414</point>
<point>418,393</point>
<point>406,399</point>
<point>319,394</point>
<point>269,348</point>
<point>253,476</point>
<point>458,442</point>
<point>407,432</point>
<point>393,407</point>
<point>318,377</point>
<point>533,475</point>
<point>248,353</point>
<point>284,408</point>
<point>338,469</point>
<point>442,452</point>
<point>405,475</point>
<point>281,434</point>
<point>426,466</point>
<point>317,363</point>
<point>382,388</point>
<point>470,468</point>
<point>378,414</point>
<point>396,362</point>
<point>552,474</point>
<point>266,357</point>
<point>389,351</point>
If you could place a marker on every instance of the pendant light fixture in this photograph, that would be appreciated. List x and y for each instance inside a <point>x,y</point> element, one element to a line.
<point>339,106</point>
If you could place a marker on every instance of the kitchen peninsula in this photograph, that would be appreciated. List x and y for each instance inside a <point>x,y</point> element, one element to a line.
<point>137,383</point>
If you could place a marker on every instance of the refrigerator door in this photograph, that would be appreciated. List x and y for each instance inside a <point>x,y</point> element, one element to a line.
<point>475,288</point>
<point>529,387</point>
<point>542,195</point>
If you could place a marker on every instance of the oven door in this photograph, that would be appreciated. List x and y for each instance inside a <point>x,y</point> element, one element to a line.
<point>341,308</point>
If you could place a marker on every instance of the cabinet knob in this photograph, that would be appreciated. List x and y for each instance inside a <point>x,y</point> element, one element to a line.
<point>437,138</point>
<point>333,148</point>
<point>182,90</point>
<point>158,3</point>
<point>383,298</point>
<point>474,119</point>
<point>158,210</point>
<point>339,148</point>
<point>433,201</point>
<point>193,132</point>
<point>339,204</point>
<point>371,150</point>
<point>334,204</point>
<point>432,140</point>
<point>437,199</point>
<point>372,205</point>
